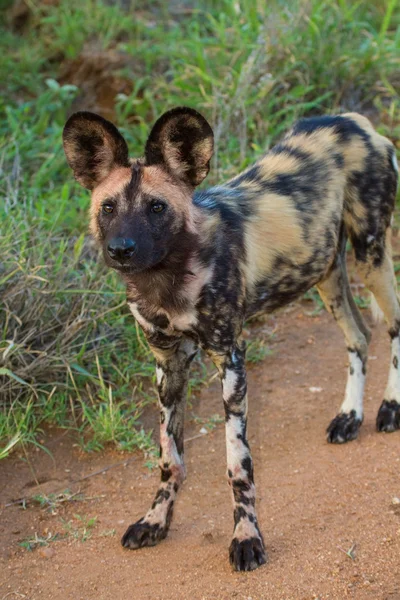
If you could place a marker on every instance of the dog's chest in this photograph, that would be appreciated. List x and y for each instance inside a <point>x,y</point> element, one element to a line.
<point>173,316</point>
<point>172,324</point>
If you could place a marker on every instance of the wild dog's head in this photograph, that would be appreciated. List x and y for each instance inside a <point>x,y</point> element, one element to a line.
<point>141,209</point>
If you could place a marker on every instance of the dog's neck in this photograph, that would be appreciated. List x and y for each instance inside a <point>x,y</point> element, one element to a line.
<point>175,284</point>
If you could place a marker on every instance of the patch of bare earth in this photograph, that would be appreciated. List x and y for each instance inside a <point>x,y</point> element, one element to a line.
<point>315,500</point>
<point>95,72</point>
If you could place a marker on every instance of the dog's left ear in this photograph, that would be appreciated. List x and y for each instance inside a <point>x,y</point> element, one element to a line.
<point>183,142</point>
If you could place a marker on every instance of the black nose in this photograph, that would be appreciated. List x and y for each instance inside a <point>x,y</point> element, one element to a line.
<point>121,249</point>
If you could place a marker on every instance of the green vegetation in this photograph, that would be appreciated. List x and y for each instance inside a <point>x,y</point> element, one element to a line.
<point>81,529</point>
<point>78,529</point>
<point>39,541</point>
<point>70,353</point>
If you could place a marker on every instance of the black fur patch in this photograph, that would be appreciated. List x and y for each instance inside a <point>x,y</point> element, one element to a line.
<point>343,428</point>
<point>344,127</point>
<point>142,534</point>
<point>166,474</point>
<point>388,418</point>
<point>161,496</point>
<point>394,331</point>
<point>247,555</point>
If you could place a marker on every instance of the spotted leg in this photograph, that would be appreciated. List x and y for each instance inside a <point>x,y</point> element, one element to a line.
<point>335,293</point>
<point>246,551</point>
<point>172,376</point>
<point>380,279</point>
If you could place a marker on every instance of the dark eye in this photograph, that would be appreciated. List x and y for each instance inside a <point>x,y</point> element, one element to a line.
<point>107,208</point>
<point>157,207</point>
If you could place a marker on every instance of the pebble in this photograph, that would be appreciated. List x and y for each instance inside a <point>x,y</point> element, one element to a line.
<point>46,552</point>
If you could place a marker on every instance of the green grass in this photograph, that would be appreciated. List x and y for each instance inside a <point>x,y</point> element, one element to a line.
<point>70,354</point>
<point>81,529</point>
<point>39,541</point>
<point>78,529</point>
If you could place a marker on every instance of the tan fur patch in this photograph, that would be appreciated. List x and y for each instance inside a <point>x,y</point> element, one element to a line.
<point>320,142</point>
<point>274,164</point>
<point>354,153</point>
<point>110,187</point>
<point>380,143</point>
<point>275,230</point>
<point>362,121</point>
<point>158,183</point>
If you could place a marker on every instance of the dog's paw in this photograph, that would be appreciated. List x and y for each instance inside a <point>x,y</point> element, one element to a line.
<point>247,554</point>
<point>388,418</point>
<point>343,428</point>
<point>142,533</point>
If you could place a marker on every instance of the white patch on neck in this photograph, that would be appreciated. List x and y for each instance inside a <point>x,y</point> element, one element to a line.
<point>139,318</point>
<point>392,391</point>
<point>159,375</point>
<point>394,162</point>
<point>196,279</point>
<point>184,321</point>
<point>353,399</point>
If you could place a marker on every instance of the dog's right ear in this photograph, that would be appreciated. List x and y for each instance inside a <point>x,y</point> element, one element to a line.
<point>93,147</point>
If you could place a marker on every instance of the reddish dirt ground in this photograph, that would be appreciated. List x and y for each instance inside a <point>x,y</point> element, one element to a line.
<point>315,500</point>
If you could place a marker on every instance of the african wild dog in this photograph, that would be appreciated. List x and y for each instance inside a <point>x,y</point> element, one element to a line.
<point>197,264</point>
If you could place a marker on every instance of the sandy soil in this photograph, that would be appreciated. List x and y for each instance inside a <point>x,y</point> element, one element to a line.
<point>315,500</point>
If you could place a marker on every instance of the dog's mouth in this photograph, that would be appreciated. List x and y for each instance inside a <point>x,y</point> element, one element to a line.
<point>126,269</point>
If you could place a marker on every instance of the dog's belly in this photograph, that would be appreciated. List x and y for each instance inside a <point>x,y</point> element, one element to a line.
<point>288,281</point>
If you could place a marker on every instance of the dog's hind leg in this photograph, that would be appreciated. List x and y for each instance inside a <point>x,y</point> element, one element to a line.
<point>172,376</point>
<point>335,292</point>
<point>378,273</point>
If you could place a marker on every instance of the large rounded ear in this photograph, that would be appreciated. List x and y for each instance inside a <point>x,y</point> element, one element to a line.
<point>93,147</point>
<point>183,142</point>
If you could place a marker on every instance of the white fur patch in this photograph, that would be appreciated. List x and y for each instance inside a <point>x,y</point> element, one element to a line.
<point>353,399</point>
<point>139,318</point>
<point>159,375</point>
<point>170,453</point>
<point>245,529</point>
<point>184,321</point>
<point>196,279</point>
<point>392,391</point>
<point>201,275</point>
<point>394,162</point>
<point>236,451</point>
<point>229,384</point>
<point>159,513</point>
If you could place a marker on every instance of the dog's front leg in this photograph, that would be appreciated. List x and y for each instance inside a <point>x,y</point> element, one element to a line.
<point>172,376</point>
<point>246,551</point>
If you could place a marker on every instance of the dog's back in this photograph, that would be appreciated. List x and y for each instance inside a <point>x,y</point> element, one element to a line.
<point>326,173</point>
